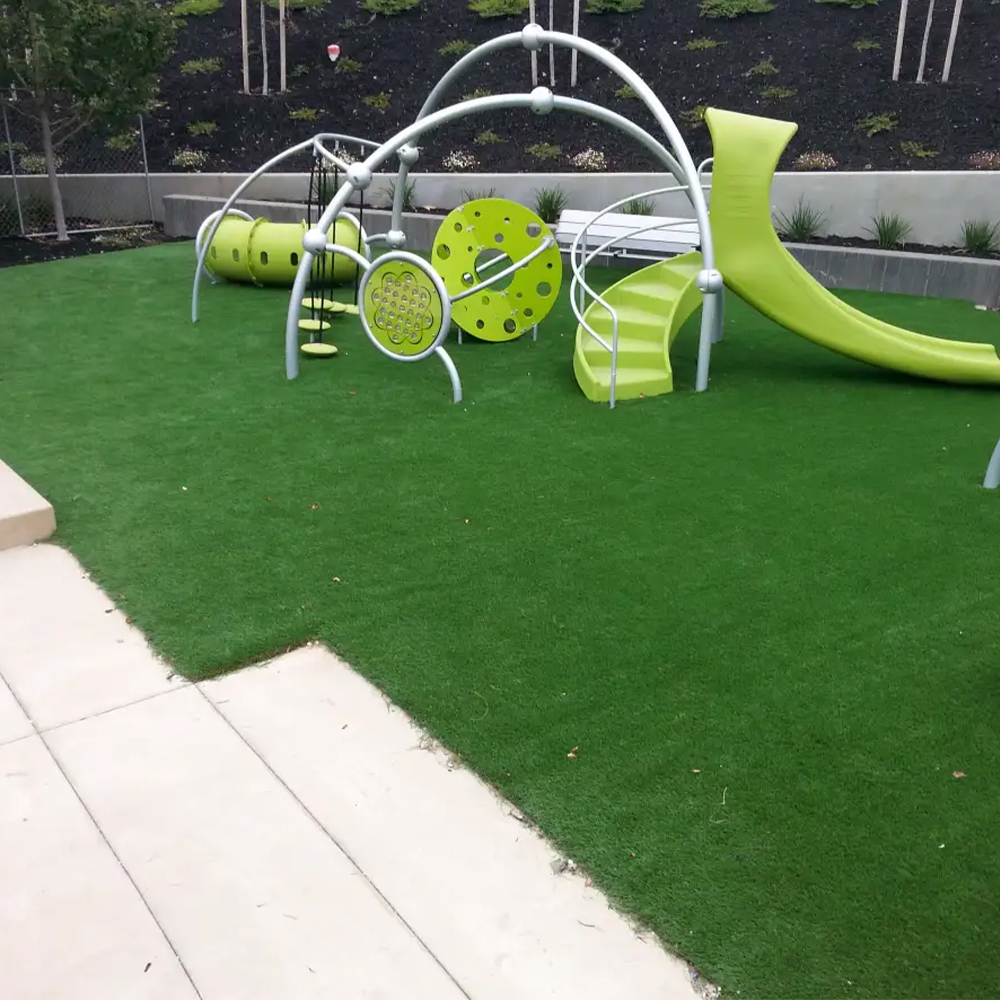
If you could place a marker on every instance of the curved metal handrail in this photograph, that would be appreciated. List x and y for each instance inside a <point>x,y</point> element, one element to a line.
<point>516,266</point>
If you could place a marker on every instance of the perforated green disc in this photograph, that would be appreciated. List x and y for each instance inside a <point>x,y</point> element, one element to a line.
<point>318,350</point>
<point>402,307</point>
<point>314,325</point>
<point>477,232</point>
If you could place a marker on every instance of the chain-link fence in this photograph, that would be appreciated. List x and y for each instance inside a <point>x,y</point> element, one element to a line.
<point>89,166</point>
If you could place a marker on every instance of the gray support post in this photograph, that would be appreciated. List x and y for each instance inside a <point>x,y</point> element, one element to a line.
<point>992,479</point>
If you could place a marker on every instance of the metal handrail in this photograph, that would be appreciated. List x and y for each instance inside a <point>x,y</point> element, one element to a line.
<point>516,266</point>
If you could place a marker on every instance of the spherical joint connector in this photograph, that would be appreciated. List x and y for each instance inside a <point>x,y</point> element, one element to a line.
<point>531,37</point>
<point>396,239</point>
<point>314,240</point>
<point>709,281</point>
<point>359,176</point>
<point>542,100</point>
<point>409,155</point>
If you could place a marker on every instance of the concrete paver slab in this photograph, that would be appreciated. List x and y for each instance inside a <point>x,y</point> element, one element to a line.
<point>25,515</point>
<point>72,925</point>
<point>65,651</point>
<point>14,724</point>
<point>473,881</point>
<point>257,900</point>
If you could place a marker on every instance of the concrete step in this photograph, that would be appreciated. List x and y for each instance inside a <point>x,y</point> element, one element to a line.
<point>25,515</point>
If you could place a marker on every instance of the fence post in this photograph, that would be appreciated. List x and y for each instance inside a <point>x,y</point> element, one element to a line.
<point>13,170</point>
<point>145,170</point>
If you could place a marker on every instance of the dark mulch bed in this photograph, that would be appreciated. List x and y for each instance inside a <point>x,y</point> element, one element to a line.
<point>810,43</point>
<point>36,249</point>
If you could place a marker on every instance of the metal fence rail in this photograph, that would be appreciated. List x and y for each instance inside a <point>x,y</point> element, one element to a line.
<point>25,196</point>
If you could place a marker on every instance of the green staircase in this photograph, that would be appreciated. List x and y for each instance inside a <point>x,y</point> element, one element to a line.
<point>652,305</point>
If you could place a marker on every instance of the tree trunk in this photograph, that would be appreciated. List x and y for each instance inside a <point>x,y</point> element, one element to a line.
<point>552,48</point>
<point>955,21</point>
<point>576,34</point>
<point>246,46</point>
<point>282,49</point>
<point>534,54</point>
<point>927,38</point>
<point>263,46</point>
<point>900,33</point>
<point>50,166</point>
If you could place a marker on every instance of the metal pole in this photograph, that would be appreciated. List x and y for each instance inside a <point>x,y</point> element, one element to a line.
<point>900,32</point>
<point>927,38</point>
<point>246,46</point>
<point>552,48</point>
<point>992,479</point>
<point>145,170</point>
<point>955,19</point>
<point>13,170</point>
<point>576,34</point>
<point>283,55</point>
<point>534,53</point>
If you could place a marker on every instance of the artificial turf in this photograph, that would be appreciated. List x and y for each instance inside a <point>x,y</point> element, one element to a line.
<point>765,615</point>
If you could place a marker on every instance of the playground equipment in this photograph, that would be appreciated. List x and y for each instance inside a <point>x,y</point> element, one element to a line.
<point>624,335</point>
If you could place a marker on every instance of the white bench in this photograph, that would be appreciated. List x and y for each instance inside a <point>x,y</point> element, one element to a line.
<point>671,237</point>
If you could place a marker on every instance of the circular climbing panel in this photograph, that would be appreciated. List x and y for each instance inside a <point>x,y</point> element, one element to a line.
<point>483,238</point>
<point>403,305</point>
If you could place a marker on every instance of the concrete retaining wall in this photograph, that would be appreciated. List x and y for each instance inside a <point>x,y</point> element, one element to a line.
<point>935,203</point>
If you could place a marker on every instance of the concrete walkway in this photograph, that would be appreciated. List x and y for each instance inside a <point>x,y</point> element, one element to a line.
<point>281,832</point>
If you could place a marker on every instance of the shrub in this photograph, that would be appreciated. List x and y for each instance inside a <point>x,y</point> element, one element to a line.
<point>347,65</point>
<point>193,66</point>
<point>304,114</point>
<point>378,102</point>
<point>121,141</point>
<point>297,4</point>
<point>625,92</point>
<point>853,4</point>
<point>549,203</point>
<point>701,44</point>
<point>765,67</point>
<point>202,128</point>
<point>814,161</point>
<point>389,8</point>
<point>980,238</point>
<point>590,159</point>
<point>802,225</point>
<point>872,125</point>
<point>544,151</point>
<point>733,8</point>
<point>34,163</point>
<point>866,45</point>
<point>478,92</point>
<point>299,69</point>
<point>916,149</point>
<point>777,93</point>
<point>988,159</point>
<point>456,47</point>
<point>639,206</point>
<point>195,8</point>
<point>488,9</point>
<point>487,138</point>
<point>408,189</point>
<point>458,159</point>
<point>613,6</point>
<point>189,159</point>
<point>695,116</point>
<point>890,230</point>
<point>477,194</point>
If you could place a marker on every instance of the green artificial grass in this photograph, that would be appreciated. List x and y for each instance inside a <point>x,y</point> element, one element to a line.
<point>765,615</point>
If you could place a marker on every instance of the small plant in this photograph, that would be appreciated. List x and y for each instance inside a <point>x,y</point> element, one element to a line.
<point>777,93</point>
<point>34,163</point>
<point>202,128</point>
<point>389,8</point>
<point>890,230</point>
<point>122,141</point>
<point>299,69</point>
<point>195,8</point>
<point>194,66</point>
<point>695,116</point>
<point>477,194</point>
<point>765,67</point>
<point>866,45</point>
<point>544,151</point>
<point>988,159</point>
<point>916,149</point>
<point>853,4</point>
<point>701,44</point>
<point>802,225</point>
<point>458,159</point>
<point>408,189</point>
<point>814,161</point>
<point>297,4</point>
<point>487,138</point>
<point>304,114</point>
<point>733,8</point>
<point>549,204</point>
<point>488,9</point>
<point>626,93</point>
<point>12,147</point>
<point>478,92</point>
<point>590,159</point>
<point>347,65</point>
<point>189,159</point>
<point>613,6</point>
<point>378,102</point>
<point>456,47</point>
<point>872,125</point>
<point>639,206</point>
<point>980,238</point>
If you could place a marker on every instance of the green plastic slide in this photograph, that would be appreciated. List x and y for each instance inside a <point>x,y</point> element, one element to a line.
<point>763,273</point>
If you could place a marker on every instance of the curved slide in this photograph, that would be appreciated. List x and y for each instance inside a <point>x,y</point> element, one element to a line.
<point>764,274</point>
